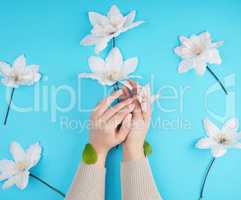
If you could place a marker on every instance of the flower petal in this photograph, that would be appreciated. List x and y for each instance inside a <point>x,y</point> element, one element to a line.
<point>184,52</point>
<point>22,180</point>
<point>204,143</point>
<point>205,37</point>
<point>96,18</point>
<point>33,154</point>
<point>237,145</point>
<point>20,62</point>
<point>130,65</point>
<point>131,26</point>
<point>9,83</point>
<point>9,183</point>
<point>115,16</point>
<point>101,44</point>
<point>232,124</point>
<point>186,41</point>
<point>213,57</point>
<point>5,69</point>
<point>211,129</point>
<point>130,18</point>
<point>200,67</point>
<point>89,75</point>
<point>184,66</point>
<point>97,77</point>
<point>114,59</point>
<point>100,31</point>
<point>96,64</point>
<point>218,151</point>
<point>217,44</point>
<point>31,75</point>
<point>88,40</point>
<point>7,169</point>
<point>17,152</point>
<point>35,71</point>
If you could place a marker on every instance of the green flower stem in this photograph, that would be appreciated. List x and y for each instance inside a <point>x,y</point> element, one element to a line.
<point>46,184</point>
<point>217,79</point>
<point>9,105</point>
<point>205,178</point>
<point>113,42</point>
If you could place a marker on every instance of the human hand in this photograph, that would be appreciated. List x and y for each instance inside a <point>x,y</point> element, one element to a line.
<point>110,125</point>
<point>133,145</point>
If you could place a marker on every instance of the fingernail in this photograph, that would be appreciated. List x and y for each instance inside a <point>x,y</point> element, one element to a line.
<point>129,116</point>
<point>131,107</point>
<point>130,100</point>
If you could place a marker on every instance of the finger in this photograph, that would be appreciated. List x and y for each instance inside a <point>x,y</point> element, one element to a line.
<point>115,120</point>
<point>134,86</point>
<point>106,103</point>
<point>125,129</point>
<point>126,93</point>
<point>115,109</point>
<point>147,112</point>
<point>137,112</point>
<point>129,89</point>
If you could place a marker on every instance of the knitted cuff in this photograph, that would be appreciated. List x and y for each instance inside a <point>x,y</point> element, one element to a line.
<point>89,183</point>
<point>137,181</point>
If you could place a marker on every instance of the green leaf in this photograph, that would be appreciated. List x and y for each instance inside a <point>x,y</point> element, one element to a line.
<point>147,149</point>
<point>89,154</point>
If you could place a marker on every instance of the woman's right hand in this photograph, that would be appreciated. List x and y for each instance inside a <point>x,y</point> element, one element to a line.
<point>133,145</point>
<point>110,125</point>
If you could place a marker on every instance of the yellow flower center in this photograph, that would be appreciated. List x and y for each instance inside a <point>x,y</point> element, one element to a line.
<point>15,77</point>
<point>114,75</point>
<point>222,139</point>
<point>198,51</point>
<point>22,165</point>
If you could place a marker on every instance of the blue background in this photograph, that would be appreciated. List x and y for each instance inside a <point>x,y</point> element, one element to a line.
<point>49,32</point>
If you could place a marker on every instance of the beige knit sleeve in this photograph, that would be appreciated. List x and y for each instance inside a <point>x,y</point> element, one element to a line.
<point>137,181</point>
<point>88,184</point>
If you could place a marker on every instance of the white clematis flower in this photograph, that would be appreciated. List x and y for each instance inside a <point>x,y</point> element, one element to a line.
<point>112,69</point>
<point>107,27</point>
<point>220,140</point>
<point>17,172</point>
<point>19,73</point>
<point>145,97</point>
<point>197,52</point>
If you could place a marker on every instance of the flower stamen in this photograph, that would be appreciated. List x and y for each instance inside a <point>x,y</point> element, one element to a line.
<point>22,165</point>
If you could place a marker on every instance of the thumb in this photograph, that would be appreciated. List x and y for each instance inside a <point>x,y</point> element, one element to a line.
<point>124,129</point>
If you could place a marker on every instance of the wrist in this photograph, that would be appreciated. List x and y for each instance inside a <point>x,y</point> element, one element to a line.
<point>133,153</point>
<point>101,160</point>
<point>101,155</point>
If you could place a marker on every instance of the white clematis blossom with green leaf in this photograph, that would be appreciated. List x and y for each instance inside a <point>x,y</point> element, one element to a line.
<point>220,140</point>
<point>111,70</point>
<point>19,73</point>
<point>16,172</point>
<point>197,52</point>
<point>107,27</point>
